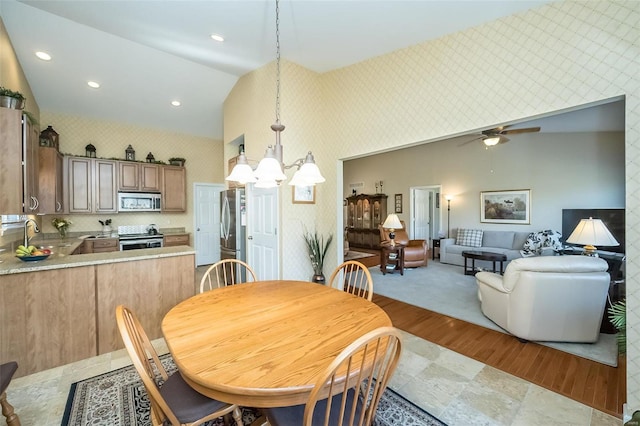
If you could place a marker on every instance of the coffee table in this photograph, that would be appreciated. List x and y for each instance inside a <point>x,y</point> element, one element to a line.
<point>482,255</point>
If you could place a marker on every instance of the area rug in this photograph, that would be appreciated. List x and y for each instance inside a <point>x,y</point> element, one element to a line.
<point>445,289</point>
<point>353,255</point>
<point>119,398</point>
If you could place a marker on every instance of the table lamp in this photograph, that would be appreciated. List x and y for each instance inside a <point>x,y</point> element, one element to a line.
<point>392,223</point>
<point>592,232</point>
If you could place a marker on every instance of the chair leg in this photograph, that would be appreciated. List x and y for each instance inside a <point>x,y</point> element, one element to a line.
<point>237,416</point>
<point>7,411</point>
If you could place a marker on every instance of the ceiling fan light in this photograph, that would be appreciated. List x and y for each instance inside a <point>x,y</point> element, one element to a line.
<point>492,140</point>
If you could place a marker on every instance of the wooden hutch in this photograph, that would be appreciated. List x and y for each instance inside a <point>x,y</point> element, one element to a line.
<point>364,214</point>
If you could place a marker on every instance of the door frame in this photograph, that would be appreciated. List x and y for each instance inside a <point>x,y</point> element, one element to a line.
<point>434,212</point>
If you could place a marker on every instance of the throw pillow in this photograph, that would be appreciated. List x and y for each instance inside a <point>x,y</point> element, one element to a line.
<point>469,237</point>
<point>540,240</point>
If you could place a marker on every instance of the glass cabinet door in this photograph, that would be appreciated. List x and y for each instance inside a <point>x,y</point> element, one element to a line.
<point>351,215</point>
<point>376,214</point>
<point>366,214</point>
<point>359,214</point>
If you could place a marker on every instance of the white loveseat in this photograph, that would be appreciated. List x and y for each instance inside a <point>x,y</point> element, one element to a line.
<point>508,243</point>
<point>547,298</point>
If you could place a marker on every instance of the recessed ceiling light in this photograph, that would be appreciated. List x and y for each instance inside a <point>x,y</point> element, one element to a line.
<point>93,84</point>
<point>176,103</point>
<point>217,37</point>
<point>44,56</point>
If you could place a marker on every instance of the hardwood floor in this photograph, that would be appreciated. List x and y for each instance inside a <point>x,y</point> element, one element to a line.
<point>589,382</point>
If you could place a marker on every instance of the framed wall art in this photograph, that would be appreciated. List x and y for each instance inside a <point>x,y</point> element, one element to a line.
<point>304,194</point>
<point>512,206</point>
<point>398,199</point>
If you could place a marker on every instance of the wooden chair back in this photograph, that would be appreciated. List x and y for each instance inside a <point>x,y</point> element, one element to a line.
<point>369,363</point>
<point>226,272</point>
<point>353,277</point>
<point>146,362</point>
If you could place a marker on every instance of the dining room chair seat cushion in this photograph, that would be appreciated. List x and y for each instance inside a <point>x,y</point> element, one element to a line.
<point>6,374</point>
<point>287,416</point>
<point>187,404</point>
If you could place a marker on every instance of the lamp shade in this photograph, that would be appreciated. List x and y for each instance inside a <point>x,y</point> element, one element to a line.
<point>592,232</point>
<point>392,222</point>
<point>308,174</point>
<point>269,169</point>
<point>242,171</point>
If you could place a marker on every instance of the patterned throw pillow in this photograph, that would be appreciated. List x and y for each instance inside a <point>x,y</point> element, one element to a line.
<point>539,240</point>
<point>469,237</point>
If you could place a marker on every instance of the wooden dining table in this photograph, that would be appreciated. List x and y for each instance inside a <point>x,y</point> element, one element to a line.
<point>264,344</point>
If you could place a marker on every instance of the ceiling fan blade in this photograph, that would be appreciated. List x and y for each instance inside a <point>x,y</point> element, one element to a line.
<point>516,131</point>
<point>471,140</point>
<point>503,139</point>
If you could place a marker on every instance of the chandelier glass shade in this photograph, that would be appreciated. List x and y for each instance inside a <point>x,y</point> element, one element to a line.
<point>270,171</point>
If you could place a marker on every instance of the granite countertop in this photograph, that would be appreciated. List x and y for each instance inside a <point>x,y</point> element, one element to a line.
<point>62,257</point>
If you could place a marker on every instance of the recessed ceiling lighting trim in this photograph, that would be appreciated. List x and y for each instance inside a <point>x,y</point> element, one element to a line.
<point>176,103</point>
<point>43,55</point>
<point>93,84</point>
<point>217,37</point>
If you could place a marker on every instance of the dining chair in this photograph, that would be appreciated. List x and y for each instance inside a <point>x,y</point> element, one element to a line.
<point>226,272</point>
<point>6,374</point>
<point>353,277</point>
<point>369,362</point>
<point>174,401</point>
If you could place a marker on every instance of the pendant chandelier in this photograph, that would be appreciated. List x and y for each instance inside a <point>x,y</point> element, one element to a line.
<point>270,170</point>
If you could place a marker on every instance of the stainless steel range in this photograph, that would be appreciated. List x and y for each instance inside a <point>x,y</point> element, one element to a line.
<point>139,237</point>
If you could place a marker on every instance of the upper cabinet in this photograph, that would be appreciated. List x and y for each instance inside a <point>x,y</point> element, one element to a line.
<point>174,189</point>
<point>92,185</point>
<point>143,177</point>
<point>51,181</point>
<point>18,163</point>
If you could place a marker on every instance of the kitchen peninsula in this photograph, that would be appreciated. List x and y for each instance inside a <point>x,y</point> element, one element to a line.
<point>62,309</point>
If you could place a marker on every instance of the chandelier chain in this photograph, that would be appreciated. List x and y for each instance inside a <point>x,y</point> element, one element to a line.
<point>277,61</point>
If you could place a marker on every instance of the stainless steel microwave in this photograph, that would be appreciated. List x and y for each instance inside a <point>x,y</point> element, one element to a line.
<point>139,202</point>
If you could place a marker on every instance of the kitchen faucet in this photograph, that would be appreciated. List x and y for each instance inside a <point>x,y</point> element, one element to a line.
<point>26,227</point>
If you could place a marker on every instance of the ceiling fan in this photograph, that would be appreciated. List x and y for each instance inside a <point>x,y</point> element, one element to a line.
<point>496,135</point>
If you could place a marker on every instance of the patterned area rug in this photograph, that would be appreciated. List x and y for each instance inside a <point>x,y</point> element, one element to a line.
<point>119,398</point>
<point>353,255</point>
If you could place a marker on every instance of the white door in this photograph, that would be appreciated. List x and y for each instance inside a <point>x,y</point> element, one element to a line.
<point>421,214</point>
<point>207,222</point>
<point>262,232</point>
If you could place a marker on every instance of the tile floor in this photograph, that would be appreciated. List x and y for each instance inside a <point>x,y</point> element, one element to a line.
<point>456,389</point>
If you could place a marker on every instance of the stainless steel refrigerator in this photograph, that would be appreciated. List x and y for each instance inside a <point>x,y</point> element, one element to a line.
<point>233,225</point>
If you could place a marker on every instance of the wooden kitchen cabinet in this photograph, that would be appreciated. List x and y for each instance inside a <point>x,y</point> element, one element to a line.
<point>143,177</point>
<point>176,240</point>
<point>92,185</point>
<point>18,175</point>
<point>101,245</point>
<point>48,318</point>
<point>51,181</point>
<point>174,189</point>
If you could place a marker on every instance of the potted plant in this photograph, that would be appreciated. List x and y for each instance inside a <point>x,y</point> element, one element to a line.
<point>177,161</point>
<point>618,317</point>
<point>317,248</point>
<point>11,99</point>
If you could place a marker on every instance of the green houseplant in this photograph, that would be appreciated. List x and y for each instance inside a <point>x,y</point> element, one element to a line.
<point>11,99</point>
<point>317,248</point>
<point>618,317</point>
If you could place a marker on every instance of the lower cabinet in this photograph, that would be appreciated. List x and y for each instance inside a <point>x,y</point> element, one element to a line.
<point>101,245</point>
<point>176,240</point>
<point>47,318</point>
<point>54,317</point>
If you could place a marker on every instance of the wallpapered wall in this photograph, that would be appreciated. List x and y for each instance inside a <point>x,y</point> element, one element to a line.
<point>545,163</point>
<point>548,59</point>
<point>203,155</point>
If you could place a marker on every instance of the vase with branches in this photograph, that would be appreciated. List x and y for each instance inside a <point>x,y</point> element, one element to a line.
<point>317,248</point>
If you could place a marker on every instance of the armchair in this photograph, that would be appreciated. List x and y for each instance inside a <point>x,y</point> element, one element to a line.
<point>415,252</point>
<point>547,298</point>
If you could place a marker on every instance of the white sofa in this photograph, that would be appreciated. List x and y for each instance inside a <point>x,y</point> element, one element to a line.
<point>506,242</point>
<point>547,298</point>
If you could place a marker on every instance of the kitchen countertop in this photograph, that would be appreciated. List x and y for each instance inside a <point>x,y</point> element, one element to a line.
<point>62,257</point>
